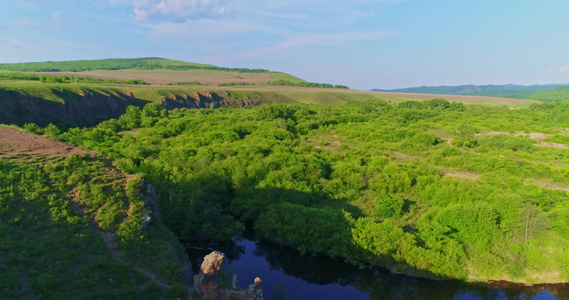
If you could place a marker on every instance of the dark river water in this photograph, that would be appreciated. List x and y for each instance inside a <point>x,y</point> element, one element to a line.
<point>288,275</point>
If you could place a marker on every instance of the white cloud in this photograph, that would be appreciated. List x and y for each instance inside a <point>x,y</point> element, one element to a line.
<point>204,28</point>
<point>559,70</point>
<point>310,39</point>
<point>175,10</point>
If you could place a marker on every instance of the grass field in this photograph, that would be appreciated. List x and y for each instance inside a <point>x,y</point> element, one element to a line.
<point>335,97</point>
<point>156,93</point>
<point>209,81</point>
<point>206,77</point>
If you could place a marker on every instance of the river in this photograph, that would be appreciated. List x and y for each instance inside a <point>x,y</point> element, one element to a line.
<point>288,275</point>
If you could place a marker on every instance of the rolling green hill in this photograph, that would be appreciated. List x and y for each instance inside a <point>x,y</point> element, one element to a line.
<point>558,94</point>
<point>148,63</point>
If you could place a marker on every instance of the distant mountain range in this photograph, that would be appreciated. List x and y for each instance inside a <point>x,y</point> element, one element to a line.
<point>505,90</point>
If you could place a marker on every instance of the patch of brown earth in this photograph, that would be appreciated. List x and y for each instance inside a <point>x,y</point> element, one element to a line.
<point>14,141</point>
<point>459,98</point>
<point>549,185</point>
<point>404,156</point>
<point>330,142</point>
<point>536,136</point>
<point>132,132</point>
<point>552,145</point>
<point>442,134</point>
<point>460,174</point>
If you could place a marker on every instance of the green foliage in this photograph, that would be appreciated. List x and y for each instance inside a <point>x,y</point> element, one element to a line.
<point>427,188</point>
<point>52,215</point>
<point>282,82</point>
<point>434,104</point>
<point>389,205</point>
<point>502,141</point>
<point>558,138</point>
<point>553,95</point>
<point>33,128</point>
<point>323,230</point>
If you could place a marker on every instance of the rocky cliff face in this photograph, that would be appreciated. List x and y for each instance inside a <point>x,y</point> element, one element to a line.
<point>89,107</point>
<point>85,108</point>
<point>206,100</point>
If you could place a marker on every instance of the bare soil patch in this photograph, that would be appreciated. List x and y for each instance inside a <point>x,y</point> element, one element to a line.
<point>442,134</point>
<point>549,185</point>
<point>13,141</point>
<point>460,174</point>
<point>536,136</point>
<point>405,156</point>
<point>459,98</point>
<point>552,145</point>
<point>332,143</point>
<point>133,132</point>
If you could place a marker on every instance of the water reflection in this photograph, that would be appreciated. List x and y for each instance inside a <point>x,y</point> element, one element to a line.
<point>284,271</point>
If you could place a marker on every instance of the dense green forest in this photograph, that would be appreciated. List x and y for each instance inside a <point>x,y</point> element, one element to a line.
<point>504,90</point>
<point>71,228</point>
<point>431,188</point>
<point>289,83</point>
<point>148,63</point>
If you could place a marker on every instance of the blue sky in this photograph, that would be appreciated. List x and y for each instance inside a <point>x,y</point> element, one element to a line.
<point>364,44</point>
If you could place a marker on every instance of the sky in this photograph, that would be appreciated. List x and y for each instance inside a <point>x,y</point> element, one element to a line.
<point>364,44</point>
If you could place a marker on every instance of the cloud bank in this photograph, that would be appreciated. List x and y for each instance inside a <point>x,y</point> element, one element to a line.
<point>174,10</point>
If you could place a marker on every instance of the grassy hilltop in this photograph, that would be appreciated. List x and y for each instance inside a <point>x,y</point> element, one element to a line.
<point>428,187</point>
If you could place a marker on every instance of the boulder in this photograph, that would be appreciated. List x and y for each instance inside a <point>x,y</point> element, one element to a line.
<point>210,278</point>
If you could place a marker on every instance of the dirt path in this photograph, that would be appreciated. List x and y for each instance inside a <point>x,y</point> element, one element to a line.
<point>13,141</point>
<point>110,242</point>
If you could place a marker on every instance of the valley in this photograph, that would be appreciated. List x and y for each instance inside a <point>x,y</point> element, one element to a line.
<point>443,187</point>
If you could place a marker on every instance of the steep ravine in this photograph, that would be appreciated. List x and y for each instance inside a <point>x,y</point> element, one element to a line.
<point>91,106</point>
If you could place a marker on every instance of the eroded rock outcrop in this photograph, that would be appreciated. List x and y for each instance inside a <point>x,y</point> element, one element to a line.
<point>209,279</point>
<point>148,193</point>
<point>206,100</point>
<point>208,282</point>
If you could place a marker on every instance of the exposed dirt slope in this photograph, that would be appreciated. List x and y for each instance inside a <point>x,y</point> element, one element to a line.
<point>13,141</point>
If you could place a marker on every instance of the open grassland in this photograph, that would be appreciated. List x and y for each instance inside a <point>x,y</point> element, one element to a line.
<point>156,92</point>
<point>484,100</point>
<point>285,76</point>
<point>206,77</point>
<point>335,97</point>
